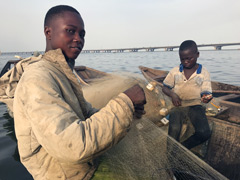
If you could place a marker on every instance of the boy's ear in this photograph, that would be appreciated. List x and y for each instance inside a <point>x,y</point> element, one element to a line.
<point>47,32</point>
<point>198,54</point>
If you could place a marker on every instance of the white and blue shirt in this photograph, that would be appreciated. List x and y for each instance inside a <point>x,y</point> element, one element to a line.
<point>189,90</point>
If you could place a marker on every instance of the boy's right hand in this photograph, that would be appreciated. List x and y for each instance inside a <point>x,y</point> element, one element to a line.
<point>176,100</point>
<point>137,96</point>
<point>206,98</point>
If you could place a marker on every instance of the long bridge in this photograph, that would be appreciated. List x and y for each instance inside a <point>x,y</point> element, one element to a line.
<point>148,49</point>
<point>151,49</point>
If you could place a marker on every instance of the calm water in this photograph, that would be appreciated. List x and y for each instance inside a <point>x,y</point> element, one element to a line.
<point>224,66</point>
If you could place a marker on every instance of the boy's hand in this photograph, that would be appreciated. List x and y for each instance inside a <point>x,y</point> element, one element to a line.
<point>139,111</point>
<point>137,96</point>
<point>206,98</point>
<point>176,100</point>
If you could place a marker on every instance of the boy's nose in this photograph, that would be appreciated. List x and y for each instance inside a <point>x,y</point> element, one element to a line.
<point>186,60</point>
<point>78,38</point>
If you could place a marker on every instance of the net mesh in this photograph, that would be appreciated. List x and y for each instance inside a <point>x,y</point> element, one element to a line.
<point>147,152</point>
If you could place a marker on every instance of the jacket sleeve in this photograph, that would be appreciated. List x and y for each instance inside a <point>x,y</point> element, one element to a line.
<point>61,132</point>
<point>90,109</point>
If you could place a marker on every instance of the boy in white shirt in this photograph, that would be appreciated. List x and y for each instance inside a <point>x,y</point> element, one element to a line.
<point>188,85</point>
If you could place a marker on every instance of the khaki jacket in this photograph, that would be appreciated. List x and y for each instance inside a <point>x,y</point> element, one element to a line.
<point>59,134</point>
<point>9,81</point>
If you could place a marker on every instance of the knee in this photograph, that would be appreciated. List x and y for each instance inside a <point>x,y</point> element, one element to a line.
<point>174,131</point>
<point>176,112</point>
<point>174,127</point>
<point>176,117</point>
<point>175,124</point>
<point>203,135</point>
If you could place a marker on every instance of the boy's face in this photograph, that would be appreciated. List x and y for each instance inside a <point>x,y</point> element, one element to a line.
<point>188,58</point>
<point>66,32</point>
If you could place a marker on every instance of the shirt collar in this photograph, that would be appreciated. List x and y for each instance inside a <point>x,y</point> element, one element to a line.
<point>199,69</point>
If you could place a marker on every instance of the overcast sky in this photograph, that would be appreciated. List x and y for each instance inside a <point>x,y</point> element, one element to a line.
<point>124,23</point>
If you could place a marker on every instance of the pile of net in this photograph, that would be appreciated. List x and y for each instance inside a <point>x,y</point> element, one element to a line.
<point>147,152</point>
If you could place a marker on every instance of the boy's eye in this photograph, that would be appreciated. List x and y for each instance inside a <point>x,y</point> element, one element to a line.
<point>82,34</point>
<point>188,58</point>
<point>70,31</point>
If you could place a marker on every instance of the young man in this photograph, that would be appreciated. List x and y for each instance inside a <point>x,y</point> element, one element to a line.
<point>59,134</point>
<point>188,85</point>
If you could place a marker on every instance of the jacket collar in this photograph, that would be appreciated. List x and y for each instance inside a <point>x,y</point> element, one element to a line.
<point>56,56</point>
<point>58,60</point>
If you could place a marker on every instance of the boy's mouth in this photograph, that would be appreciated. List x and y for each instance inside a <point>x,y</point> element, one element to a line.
<point>187,65</point>
<point>77,48</point>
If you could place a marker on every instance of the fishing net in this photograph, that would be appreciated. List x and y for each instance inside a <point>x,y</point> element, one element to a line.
<point>147,152</point>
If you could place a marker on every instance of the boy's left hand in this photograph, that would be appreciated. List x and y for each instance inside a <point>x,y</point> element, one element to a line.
<point>206,98</point>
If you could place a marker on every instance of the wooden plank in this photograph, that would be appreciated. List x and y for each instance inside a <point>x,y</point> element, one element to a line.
<point>233,111</point>
<point>229,96</point>
<point>224,148</point>
<point>226,91</point>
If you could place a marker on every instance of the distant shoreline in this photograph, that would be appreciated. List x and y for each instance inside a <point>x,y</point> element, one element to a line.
<point>42,52</point>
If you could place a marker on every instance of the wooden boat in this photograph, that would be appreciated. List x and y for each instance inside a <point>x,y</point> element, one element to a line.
<point>229,95</point>
<point>158,76</point>
<point>85,74</point>
<point>8,66</point>
<point>223,149</point>
<point>88,75</point>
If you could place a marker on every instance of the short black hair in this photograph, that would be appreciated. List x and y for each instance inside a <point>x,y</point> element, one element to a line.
<point>188,44</point>
<point>57,11</point>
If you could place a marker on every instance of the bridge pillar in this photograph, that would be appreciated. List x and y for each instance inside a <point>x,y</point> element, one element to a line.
<point>108,51</point>
<point>134,50</point>
<point>168,49</point>
<point>218,47</point>
<point>150,50</point>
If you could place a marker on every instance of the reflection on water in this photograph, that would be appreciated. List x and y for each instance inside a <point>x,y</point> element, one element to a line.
<point>9,127</point>
<point>10,166</point>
